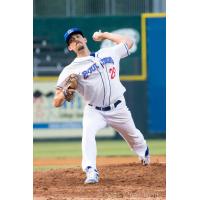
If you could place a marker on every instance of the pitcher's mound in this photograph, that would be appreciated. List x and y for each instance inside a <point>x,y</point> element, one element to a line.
<point>125,181</point>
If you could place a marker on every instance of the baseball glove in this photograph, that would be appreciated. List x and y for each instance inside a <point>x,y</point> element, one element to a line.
<point>70,85</point>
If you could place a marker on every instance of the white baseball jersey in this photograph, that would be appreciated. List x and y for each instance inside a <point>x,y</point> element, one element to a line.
<point>98,76</point>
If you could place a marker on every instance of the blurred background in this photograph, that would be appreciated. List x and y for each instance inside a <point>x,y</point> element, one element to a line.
<point>143,73</point>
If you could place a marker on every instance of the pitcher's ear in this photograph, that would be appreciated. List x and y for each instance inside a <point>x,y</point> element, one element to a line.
<point>69,48</point>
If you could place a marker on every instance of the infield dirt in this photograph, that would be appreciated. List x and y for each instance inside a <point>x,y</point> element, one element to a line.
<point>122,180</point>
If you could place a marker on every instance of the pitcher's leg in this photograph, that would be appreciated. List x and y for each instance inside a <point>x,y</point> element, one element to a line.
<point>132,136</point>
<point>92,122</point>
<point>121,120</point>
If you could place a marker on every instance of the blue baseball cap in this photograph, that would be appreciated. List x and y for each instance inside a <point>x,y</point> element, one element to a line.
<point>70,32</point>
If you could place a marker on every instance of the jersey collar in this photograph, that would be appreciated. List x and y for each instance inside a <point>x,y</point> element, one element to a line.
<point>91,56</point>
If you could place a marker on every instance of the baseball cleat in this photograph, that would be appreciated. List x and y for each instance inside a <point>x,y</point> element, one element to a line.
<point>92,176</point>
<point>146,159</point>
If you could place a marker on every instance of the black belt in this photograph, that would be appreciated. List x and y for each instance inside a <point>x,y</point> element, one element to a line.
<point>108,107</point>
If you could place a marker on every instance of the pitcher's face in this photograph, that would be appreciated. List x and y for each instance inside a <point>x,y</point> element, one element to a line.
<point>77,43</point>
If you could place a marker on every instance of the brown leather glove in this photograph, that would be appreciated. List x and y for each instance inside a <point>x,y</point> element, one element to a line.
<point>70,85</point>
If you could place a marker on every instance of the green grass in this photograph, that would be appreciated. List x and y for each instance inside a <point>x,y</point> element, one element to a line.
<point>104,148</point>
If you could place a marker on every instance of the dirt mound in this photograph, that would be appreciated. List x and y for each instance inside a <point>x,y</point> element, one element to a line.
<point>125,181</point>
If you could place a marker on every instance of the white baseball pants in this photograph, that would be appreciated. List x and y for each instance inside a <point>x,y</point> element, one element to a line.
<point>118,118</point>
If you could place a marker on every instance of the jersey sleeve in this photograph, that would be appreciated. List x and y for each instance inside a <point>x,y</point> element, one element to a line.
<point>121,50</point>
<point>61,79</point>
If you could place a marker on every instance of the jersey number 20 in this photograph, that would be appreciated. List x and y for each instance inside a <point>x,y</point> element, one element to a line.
<point>112,72</point>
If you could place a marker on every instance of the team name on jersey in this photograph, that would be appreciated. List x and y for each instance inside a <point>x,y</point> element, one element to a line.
<point>94,67</point>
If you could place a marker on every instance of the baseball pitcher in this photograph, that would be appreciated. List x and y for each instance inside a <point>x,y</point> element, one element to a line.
<point>95,75</point>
